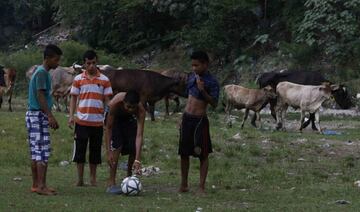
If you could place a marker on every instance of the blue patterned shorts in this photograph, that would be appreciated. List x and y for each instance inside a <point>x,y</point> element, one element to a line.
<point>37,124</point>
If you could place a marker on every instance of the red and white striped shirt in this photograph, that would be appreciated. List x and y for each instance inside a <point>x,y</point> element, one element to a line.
<point>91,93</point>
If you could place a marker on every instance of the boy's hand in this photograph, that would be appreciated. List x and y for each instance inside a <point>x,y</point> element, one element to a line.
<point>137,167</point>
<point>53,123</point>
<point>200,83</point>
<point>71,122</point>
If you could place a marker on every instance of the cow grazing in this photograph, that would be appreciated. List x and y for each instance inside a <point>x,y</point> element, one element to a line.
<point>306,97</point>
<point>182,78</point>
<point>7,83</point>
<point>251,99</point>
<point>341,96</point>
<point>152,86</point>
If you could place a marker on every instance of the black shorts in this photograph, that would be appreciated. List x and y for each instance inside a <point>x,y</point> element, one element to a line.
<point>195,136</point>
<point>124,136</point>
<point>83,135</point>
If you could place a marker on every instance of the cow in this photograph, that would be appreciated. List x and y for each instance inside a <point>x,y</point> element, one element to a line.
<point>7,83</point>
<point>341,96</point>
<point>251,99</point>
<point>182,78</point>
<point>61,81</point>
<point>152,86</point>
<point>306,97</point>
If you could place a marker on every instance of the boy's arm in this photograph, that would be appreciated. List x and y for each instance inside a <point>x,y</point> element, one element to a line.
<point>44,107</point>
<point>208,98</point>
<point>73,102</point>
<point>139,137</point>
<point>108,135</point>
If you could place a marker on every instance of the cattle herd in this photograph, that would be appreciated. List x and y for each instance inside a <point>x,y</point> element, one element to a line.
<point>304,90</point>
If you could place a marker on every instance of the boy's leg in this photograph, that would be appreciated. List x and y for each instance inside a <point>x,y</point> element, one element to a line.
<point>34,175</point>
<point>95,143</point>
<point>80,171</point>
<point>185,165</point>
<point>80,146</point>
<point>113,168</point>
<point>204,165</point>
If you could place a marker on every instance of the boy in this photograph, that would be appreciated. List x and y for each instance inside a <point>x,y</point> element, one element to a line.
<point>124,133</point>
<point>39,118</point>
<point>91,90</point>
<point>203,89</point>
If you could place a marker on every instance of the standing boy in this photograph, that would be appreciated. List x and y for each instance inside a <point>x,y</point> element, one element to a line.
<point>89,93</point>
<point>39,118</point>
<point>203,89</point>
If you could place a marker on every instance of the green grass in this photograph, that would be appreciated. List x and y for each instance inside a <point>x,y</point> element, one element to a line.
<point>265,170</point>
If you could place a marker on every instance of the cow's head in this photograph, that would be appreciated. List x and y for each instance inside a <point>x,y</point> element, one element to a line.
<point>342,97</point>
<point>269,78</point>
<point>270,92</point>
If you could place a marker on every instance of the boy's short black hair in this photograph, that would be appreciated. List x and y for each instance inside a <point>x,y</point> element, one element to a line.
<point>89,54</point>
<point>132,97</point>
<point>201,56</point>
<point>52,50</point>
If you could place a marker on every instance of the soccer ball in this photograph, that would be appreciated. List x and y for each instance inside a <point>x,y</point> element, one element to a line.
<point>131,186</point>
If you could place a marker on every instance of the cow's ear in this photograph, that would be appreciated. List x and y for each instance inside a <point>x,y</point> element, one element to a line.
<point>334,87</point>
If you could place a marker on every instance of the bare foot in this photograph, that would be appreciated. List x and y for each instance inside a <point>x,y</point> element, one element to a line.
<point>201,192</point>
<point>93,183</point>
<point>45,192</point>
<point>34,189</point>
<point>183,189</point>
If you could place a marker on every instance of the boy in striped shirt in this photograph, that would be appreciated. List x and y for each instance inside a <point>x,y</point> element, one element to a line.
<point>90,92</point>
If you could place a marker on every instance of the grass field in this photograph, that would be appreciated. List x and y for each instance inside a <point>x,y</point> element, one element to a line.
<point>261,170</point>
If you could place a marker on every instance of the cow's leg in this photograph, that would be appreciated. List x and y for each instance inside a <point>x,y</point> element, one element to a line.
<point>228,109</point>
<point>312,118</point>
<point>278,110</point>
<point>66,103</point>
<point>258,118</point>
<point>152,110</point>
<point>245,117</point>
<point>9,101</point>
<point>166,99</point>
<point>273,103</point>
<point>177,107</point>
<point>253,120</point>
<point>317,121</point>
<point>302,117</point>
<point>1,101</point>
<point>283,116</point>
<point>57,100</point>
<point>307,122</point>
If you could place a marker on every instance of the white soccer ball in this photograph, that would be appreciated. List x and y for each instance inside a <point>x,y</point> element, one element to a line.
<point>131,186</point>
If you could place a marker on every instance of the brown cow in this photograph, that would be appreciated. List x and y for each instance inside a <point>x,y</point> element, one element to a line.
<point>250,99</point>
<point>152,86</point>
<point>7,82</point>
<point>182,78</point>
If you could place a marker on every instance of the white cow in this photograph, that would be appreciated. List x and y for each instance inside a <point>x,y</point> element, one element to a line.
<point>306,97</point>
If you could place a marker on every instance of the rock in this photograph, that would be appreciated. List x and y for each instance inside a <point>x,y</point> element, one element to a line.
<point>17,179</point>
<point>342,202</point>
<point>301,159</point>
<point>64,163</point>
<point>357,183</point>
<point>237,136</point>
<point>213,186</point>
<point>150,170</point>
